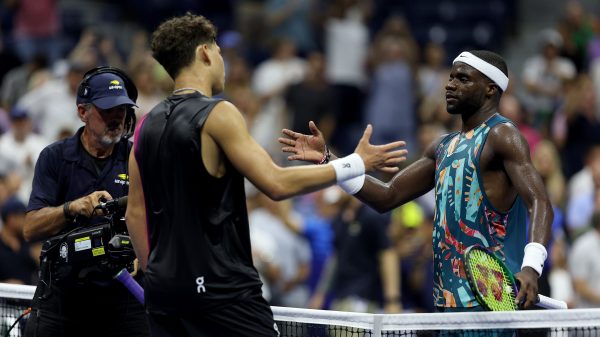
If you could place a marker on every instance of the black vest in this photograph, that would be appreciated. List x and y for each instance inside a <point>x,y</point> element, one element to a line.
<point>200,257</point>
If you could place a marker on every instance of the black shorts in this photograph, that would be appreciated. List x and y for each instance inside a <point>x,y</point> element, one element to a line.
<point>251,317</point>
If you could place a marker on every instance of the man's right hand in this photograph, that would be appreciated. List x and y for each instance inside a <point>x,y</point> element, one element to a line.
<point>380,157</point>
<point>85,205</point>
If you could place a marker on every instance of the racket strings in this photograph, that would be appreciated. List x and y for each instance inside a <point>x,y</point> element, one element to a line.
<point>491,282</point>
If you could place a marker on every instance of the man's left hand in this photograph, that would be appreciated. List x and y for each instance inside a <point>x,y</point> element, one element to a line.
<point>527,279</point>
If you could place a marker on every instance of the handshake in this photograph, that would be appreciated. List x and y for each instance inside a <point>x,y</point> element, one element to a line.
<point>350,170</point>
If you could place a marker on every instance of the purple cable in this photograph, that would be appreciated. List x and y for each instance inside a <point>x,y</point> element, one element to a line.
<point>131,284</point>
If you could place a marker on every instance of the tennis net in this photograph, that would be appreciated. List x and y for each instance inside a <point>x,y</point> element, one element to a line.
<point>293,322</point>
<point>530,323</point>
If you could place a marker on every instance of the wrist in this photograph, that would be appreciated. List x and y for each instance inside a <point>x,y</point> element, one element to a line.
<point>535,256</point>
<point>67,211</point>
<point>348,167</point>
<point>326,156</point>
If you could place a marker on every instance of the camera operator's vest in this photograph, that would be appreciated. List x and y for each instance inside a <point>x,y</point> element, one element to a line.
<point>199,239</point>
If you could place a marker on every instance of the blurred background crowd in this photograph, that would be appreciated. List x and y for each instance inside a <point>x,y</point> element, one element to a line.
<point>342,64</point>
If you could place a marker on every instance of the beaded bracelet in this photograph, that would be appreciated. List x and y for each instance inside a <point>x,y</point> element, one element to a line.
<point>326,157</point>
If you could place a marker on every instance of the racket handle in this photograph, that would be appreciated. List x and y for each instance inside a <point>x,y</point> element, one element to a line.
<point>131,284</point>
<point>550,303</point>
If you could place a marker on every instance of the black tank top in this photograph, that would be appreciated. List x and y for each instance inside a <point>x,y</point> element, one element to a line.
<point>200,256</point>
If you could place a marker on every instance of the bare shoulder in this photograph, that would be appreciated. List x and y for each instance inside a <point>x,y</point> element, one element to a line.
<point>432,147</point>
<point>506,139</point>
<point>225,118</point>
<point>224,111</point>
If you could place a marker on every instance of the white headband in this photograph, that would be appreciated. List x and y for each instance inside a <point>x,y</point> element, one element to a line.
<point>485,68</point>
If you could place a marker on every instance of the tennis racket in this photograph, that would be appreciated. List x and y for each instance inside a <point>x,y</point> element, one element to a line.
<point>493,283</point>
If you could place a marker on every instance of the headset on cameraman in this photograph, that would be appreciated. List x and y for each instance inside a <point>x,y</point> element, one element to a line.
<point>84,91</point>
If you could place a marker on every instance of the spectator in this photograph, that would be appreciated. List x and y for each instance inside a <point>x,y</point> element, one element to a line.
<point>580,206</point>
<point>371,282</point>
<point>15,83</point>
<point>316,227</point>
<point>585,266</point>
<point>582,125</point>
<point>433,73</point>
<point>582,182</point>
<point>511,108</point>
<point>544,75</point>
<point>291,19</point>
<point>49,105</point>
<point>19,261</point>
<point>270,80</point>
<point>346,30</point>
<point>312,98</point>
<point>392,78</point>
<point>37,28</point>
<point>291,256</point>
<point>577,31</point>
<point>23,147</point>
<point>149,92</point>
<point>411,233</point>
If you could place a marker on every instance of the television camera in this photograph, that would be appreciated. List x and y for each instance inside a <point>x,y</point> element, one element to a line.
<point>92,252</point>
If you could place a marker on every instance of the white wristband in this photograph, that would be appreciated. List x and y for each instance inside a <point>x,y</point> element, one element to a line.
<point>352,186</point>
<point>535,256</point>
<point>348,167</point>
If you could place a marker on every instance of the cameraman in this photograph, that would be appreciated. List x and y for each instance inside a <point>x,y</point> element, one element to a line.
<point>72,177</point>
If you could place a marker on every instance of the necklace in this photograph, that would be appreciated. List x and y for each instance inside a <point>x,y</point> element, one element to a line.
<point>185,89</point>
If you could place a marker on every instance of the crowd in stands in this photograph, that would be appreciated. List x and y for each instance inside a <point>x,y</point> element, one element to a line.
<point>342,64</point>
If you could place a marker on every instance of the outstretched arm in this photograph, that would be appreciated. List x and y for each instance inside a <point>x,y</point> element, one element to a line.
<point>227,128</point>
<point>410,183</point>
<point>508,143</point>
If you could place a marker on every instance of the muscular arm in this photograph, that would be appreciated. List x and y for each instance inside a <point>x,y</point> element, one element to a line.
<point>510,147</point>
<point>508,143</point>
<point>408,184</point>
<point>135,216</point>
<point>228,129</point>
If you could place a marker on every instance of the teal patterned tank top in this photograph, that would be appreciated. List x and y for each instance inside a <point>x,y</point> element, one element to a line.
<point>464,216</point>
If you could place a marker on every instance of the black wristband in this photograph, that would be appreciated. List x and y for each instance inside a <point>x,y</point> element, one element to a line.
<point>66,211</point>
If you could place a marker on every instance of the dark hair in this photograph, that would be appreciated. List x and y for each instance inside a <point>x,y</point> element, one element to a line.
<point>174,42</point>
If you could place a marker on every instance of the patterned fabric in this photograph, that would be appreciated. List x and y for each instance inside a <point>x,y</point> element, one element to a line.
<point>464,216</point>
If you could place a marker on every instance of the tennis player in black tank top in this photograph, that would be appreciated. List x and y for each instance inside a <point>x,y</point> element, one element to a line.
<point>186,210</point>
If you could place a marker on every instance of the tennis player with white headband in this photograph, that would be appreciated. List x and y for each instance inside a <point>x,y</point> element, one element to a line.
<point>484,184</point>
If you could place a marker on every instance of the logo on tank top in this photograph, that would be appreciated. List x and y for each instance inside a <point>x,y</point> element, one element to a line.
<point>200,283</point>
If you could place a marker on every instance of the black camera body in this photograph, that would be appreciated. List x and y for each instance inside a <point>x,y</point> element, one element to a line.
<point>95,252</point>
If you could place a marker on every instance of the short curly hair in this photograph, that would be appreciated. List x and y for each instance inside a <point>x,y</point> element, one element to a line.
<point>174,42</point>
